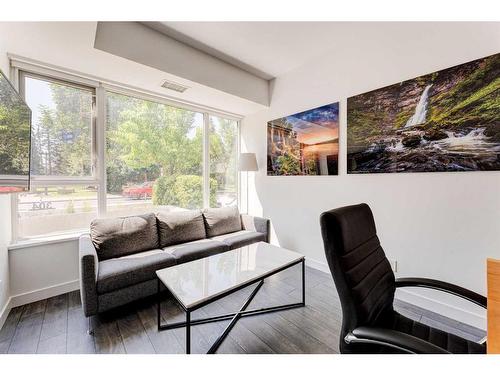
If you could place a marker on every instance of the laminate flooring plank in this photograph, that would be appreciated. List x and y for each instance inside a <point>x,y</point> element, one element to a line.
<point>134,336</point>
<point>10,325</point>
<point>107,336</point>
<point>27,335</point>
<point>78,341</point>
<point>164,342</point>
<point>55,320</point>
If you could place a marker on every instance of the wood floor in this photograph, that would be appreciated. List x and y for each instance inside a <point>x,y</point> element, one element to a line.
<point>57,325</point>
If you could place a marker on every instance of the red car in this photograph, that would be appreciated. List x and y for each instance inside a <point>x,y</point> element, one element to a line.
<point>11,189</point>
<point>142,191</point>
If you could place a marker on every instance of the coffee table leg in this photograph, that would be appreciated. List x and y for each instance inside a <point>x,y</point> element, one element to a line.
<point>303,282</point>
<point>188,332</point>
<point>158,301</point>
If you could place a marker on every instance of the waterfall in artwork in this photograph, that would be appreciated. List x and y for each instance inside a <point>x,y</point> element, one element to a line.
<point>421,109</point>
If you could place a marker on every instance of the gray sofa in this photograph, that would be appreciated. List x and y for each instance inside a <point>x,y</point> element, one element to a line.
<point>119,257</point>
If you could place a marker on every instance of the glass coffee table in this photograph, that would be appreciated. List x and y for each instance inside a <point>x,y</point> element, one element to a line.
<point>200,282</point>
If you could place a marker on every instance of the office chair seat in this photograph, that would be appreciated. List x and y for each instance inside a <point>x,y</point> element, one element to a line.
<point>447,341</point>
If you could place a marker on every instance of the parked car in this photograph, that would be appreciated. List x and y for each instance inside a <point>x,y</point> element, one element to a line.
<point>141,191</point>
<point>11,189</point>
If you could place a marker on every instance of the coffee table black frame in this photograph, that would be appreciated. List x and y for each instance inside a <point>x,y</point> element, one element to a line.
<point>233,316</point>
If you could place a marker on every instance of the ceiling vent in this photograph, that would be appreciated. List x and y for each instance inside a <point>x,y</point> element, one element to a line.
<point>174,86</point>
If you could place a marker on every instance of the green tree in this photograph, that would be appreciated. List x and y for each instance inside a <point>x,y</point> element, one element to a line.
<point>288,164</point>
<point>150,134</point>
<point>223,152</point>
<point>61,135</point>
<point>184,191</point>
<point>14,131</point>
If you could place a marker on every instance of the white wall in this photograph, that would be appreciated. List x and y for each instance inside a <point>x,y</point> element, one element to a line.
<point>4,226</point>
<point>440,225</point>
<point>4,260</point>
<point>43,271</point>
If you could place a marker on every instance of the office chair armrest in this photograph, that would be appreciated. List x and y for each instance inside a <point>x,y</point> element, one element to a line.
<point>393,339</point>
<point>456,290</point>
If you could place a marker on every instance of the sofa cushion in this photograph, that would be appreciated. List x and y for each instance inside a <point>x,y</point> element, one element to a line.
<point>179,227</point>
<point>115,237</point>
<point>132,269</point>
<point>189,251</point>
<point>222,220</point>
<point>240,238</point>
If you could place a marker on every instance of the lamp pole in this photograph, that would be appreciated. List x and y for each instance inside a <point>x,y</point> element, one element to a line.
<point>248,212</point>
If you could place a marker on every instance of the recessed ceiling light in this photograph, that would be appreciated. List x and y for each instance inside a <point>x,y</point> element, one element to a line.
<point>174,86</point>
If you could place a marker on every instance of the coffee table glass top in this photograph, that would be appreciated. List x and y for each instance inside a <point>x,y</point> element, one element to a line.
<point>198,281</point>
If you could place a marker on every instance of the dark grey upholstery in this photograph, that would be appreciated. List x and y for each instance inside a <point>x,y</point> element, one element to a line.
<point>179,227</point>
<point>222,220</point>
<point>89,267</point>
<point>114,237</point>
<point>119,260</point>
<point>240,238</point>
<point>132,269</point>
<point>256,224</point>
<point>186,252</point>
<point>120,297</point>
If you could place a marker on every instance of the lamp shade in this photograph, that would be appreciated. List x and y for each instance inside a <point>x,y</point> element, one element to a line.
<point>248,162</point>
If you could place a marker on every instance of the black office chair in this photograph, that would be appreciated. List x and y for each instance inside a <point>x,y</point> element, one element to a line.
<point>366,286</point>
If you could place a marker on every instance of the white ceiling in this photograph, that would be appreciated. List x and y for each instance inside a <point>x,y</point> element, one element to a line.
<point>271,48</point>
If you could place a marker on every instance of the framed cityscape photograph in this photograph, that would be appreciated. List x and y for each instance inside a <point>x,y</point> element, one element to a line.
<point>304,144</point>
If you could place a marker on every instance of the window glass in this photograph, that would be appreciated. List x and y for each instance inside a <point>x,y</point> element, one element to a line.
<point>154,156</point>
<point>56,209</point>
<point>61,128</point>
<point>223,162</point>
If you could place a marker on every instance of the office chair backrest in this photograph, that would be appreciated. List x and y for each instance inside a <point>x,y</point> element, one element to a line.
<point>362,274</point>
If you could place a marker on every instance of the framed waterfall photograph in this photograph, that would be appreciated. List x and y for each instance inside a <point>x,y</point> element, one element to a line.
<point>448,120</point>
<point>304,144</point>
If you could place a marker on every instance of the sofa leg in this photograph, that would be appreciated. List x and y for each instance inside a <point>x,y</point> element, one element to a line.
<point>90,330</point>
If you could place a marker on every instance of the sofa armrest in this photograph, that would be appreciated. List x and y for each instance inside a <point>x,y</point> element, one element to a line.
<point>257,224</point>
<point>89,267</point>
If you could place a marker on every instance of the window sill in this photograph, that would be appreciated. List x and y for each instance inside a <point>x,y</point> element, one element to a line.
<point>39,241</point>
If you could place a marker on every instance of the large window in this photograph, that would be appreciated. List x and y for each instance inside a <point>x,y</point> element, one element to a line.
<point>223,162</point>
<point>154,156</point>
<point>140,156</point>
<point>61,130</point>
<point>61,197</point>
<point>56,209</point>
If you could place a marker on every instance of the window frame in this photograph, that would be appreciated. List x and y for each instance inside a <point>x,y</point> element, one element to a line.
<point>38,180</point>
<point>21,69</point>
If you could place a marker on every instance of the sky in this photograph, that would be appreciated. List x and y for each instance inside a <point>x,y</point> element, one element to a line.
<point>38,93</point>
<point>327,116</point>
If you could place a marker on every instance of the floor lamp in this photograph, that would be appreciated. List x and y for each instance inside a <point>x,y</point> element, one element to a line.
<point>248,163</point>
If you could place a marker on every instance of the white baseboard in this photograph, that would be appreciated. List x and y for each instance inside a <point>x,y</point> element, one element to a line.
<point>414,298</point>
<point>40,294</point>
<point>453,312</point>
<point>4,313</point>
